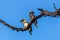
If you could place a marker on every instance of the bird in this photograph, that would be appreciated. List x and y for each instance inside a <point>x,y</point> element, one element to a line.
<point>32,16</point>
<point>26,26</point>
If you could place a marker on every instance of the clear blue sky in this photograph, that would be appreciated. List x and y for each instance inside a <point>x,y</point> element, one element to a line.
<point>12,11</point>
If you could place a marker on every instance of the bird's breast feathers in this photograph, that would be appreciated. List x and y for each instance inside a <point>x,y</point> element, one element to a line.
<point>26,25</point>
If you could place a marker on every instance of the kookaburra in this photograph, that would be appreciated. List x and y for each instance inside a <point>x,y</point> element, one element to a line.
<point>26,26</point>
<point>32,16</point>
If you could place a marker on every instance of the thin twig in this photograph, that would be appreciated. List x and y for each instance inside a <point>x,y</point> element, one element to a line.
<point>54,6</point>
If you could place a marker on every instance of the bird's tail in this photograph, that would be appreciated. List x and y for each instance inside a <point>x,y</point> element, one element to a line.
<point>36,25</point>
<point>35,22</point>
<point>30,31</point>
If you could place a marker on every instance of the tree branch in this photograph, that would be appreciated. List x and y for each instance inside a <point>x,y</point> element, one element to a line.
<point>21,29</point>
<point>54,6</point>
<point>43,12</point>
<point>12,27</point>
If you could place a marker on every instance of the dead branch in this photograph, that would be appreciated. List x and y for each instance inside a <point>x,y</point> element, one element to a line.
<point>54,6</point>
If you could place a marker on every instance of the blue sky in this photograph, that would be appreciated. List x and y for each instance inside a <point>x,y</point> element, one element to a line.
<point>12,11</point>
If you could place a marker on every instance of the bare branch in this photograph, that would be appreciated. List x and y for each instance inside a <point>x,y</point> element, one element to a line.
<point>54,6</point>
<point>12,27</point>
<point>20,29</point>
<point>45,12</point>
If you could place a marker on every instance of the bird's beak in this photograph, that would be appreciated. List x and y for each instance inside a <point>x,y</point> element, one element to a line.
<point>22,20</point>
<point>40,9</point>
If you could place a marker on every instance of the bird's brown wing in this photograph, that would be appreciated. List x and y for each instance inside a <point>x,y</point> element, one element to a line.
<point>31,16</point>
